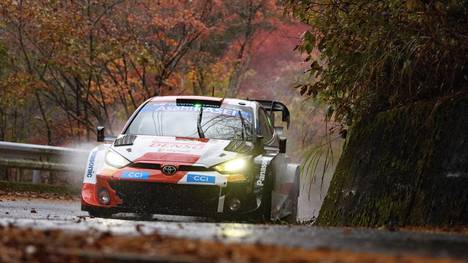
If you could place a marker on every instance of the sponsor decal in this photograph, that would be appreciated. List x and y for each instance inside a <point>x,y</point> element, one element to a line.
<point>140,175</point>
<point>263,168</point>
<point>178,145</point>
<point>200,178</point>
<point>92,160</point>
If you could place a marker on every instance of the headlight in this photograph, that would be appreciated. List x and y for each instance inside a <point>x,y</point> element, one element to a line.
<point>116,160</point>
<point>233,166</point>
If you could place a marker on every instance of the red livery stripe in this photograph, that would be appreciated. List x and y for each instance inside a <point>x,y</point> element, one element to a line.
<point>168,158</point>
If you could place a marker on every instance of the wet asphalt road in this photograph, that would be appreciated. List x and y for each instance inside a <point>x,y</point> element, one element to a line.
<point>66,215</point>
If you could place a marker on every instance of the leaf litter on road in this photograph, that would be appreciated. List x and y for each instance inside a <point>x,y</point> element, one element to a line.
<point>33,245</point>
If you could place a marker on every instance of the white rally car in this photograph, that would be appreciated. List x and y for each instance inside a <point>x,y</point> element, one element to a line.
<point>188,155</point>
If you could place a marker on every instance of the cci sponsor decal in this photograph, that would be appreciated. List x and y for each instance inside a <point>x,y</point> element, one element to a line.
<point>92,160</point>
<point>200,178</point>
<point>135,175</point>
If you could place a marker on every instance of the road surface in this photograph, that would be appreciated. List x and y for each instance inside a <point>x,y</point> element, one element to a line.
<point>66,215</point>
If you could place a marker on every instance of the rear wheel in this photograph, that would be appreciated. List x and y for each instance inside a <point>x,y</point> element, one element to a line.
<point>292,218</point>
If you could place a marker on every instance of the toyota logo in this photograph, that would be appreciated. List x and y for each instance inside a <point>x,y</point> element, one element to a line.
<point>169,169</point>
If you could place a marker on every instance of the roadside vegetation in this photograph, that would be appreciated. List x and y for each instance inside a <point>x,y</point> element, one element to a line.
<point>395,74</point>
<point>370,56</point>
<point>29,189</point>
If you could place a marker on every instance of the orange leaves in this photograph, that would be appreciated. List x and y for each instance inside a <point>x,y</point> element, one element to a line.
<point>15,87</point>
<point>97,60</point>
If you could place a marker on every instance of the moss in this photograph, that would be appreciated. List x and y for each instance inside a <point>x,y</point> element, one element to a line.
<point>397,165</point>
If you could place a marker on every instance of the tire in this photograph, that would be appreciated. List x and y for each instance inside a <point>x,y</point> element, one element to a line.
<point>292,218</point>
<point>265,208</point>
<point>263,213</point>
<point>99,213</point>
<point>145,216</point>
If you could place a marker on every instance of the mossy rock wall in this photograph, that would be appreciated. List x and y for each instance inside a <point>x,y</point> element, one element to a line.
<point>407,166</point>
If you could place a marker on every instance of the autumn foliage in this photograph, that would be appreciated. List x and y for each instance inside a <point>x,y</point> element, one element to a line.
<point>371,56</point>
<point>67,66</point>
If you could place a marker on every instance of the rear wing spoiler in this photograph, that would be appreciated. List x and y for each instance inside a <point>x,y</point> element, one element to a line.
<point>272,106</point>
<point>197,101</point>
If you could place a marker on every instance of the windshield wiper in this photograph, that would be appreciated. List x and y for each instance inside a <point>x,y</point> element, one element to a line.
<point>243,125</point>
<point>199,126</point>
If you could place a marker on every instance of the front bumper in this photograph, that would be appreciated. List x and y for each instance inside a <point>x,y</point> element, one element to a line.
<point>173,198</point>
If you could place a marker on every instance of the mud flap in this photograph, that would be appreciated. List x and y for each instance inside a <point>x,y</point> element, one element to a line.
<point>286,189</point>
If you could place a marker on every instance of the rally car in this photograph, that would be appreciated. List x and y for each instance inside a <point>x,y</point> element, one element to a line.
<point>191,155</point>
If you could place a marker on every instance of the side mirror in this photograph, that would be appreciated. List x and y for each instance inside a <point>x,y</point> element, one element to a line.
<point>100,133</point>
<point>282,144</point>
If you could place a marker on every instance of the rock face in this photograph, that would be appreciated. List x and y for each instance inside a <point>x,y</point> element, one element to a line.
<point>407,166</point>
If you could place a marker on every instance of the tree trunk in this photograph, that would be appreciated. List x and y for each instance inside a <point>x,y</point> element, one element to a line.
<point>407,166</point>
<point>234,82</point>
<point>44,118</point>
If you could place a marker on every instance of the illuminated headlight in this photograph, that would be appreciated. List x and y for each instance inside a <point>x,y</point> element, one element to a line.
<point>233,166</point>
<point>116,160</point>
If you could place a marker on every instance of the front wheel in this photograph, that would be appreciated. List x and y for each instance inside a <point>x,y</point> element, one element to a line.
<point>263,213</point>
<point>99,213</point>
<point>145,216</point>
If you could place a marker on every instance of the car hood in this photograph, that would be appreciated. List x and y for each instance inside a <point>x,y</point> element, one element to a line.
<point>179,151</point>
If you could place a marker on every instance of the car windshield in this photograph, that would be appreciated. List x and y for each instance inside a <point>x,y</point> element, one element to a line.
<point>228,122</point>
